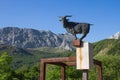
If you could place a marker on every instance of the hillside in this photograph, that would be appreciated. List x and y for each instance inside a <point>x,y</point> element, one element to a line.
<point>30,56</point>
<point>107,46</point>
<point>26,62</point>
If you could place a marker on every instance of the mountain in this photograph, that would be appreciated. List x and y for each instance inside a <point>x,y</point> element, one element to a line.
<point>32,55</point>
<point>115,36</point>
<point>31,38</point>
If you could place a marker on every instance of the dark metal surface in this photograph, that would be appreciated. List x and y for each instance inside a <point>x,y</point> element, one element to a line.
<point>75,27</point>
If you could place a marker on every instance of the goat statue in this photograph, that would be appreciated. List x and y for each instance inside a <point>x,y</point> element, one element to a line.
<point>75,27</point>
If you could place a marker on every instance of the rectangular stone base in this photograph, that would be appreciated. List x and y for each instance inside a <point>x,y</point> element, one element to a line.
<point>84,56</point>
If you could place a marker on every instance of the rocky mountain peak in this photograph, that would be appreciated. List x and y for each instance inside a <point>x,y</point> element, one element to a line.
<point>31,38</point>
<point>115,36</point>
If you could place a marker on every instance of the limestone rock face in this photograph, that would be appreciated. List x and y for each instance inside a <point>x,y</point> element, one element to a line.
<point>31,38</point>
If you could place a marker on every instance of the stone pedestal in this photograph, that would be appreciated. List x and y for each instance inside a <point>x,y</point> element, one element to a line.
<point>84,58</point>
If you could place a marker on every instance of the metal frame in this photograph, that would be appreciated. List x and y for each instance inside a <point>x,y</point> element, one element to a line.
<point>63,62</point>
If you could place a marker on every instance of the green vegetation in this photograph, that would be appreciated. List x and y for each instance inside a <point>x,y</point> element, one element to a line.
<point>111,66</point>
<point>20,64</point>
<point>23,73</point>
<point>5,70</point>
<point>107,46</point>
<point>54,73</point>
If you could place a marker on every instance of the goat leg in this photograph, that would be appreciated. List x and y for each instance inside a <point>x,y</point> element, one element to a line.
<point>75,36</point>
<point>84,35</point>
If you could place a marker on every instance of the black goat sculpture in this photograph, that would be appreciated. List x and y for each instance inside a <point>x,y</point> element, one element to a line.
<point>74,27</point>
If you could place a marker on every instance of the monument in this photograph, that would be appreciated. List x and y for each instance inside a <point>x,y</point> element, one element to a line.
<point>84,49</point>
<point>84,58</point>
<point>75,27</point>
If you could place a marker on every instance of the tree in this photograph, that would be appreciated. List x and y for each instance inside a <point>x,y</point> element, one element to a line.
<point>73,74</point>
<point>111,66</point>
<point>53,72</point>
<point>28,73</point>
<point>5,68</point>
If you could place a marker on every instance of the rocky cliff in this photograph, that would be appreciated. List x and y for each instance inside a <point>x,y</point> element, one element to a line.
<point>31,38</point>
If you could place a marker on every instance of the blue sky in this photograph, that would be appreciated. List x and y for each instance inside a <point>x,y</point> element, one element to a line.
<point>43,15</point>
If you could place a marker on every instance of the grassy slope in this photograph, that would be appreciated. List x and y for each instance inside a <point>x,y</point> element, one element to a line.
<point>107,46</point>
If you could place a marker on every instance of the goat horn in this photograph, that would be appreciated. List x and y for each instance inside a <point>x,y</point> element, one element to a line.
<point>68,16</point>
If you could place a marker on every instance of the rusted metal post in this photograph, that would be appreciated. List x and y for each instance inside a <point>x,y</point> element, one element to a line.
<point>63,73</point>
<point>42,70</point>
<point>100,72</point>
<point>99,65</point>
<point>67,61</point>
<point>85,75</point>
